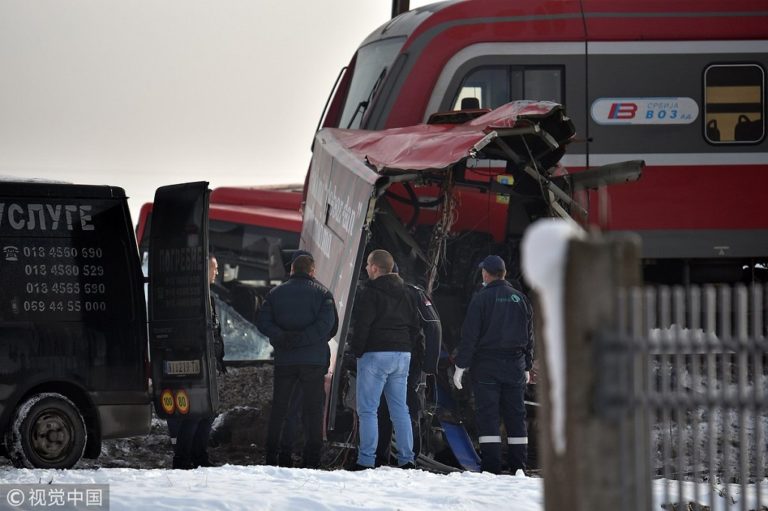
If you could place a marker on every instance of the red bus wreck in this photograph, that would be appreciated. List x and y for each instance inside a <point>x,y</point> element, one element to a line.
<point>349,212</point>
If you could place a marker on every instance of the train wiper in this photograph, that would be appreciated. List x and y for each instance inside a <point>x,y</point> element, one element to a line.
<point>363,105</point>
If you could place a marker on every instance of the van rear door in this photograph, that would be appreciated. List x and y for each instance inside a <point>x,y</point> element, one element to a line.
<point>180,334</point>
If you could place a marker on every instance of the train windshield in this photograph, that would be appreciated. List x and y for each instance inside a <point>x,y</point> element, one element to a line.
<point>373,61</point>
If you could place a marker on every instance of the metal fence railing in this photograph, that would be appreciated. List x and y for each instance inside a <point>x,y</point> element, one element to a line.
<point>684,374</point>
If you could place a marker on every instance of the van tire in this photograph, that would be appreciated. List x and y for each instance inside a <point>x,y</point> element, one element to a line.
<point>48,431</point>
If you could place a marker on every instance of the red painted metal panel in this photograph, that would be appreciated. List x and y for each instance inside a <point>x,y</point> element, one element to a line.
<point>417,88</point>
<point>701,197</point>
<point>279,197</point>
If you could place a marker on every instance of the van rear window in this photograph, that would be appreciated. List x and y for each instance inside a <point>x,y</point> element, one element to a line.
<point>63,260</point>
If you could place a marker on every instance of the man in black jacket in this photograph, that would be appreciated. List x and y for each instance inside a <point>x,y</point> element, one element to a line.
<point>385,329</point>
<point>423,360</point>
<point>497,344</point>
<point>297,317</point>
<point>190,435</point>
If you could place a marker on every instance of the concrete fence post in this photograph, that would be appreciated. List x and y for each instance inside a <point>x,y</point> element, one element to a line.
<point>586,477</point>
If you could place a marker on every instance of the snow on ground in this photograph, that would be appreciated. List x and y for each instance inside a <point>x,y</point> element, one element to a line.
<point>723,498</point>
<point>234,487</point>
<point>260,487</point>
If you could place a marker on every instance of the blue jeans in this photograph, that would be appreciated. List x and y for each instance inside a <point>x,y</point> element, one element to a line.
<point>387,372</point>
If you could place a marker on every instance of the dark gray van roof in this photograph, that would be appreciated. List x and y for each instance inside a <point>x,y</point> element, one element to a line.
<point>15,187</point>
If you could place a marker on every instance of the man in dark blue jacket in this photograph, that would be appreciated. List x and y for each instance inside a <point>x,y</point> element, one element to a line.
<point>291,429</point>
<point>497,343</point>
<point>297,317</point>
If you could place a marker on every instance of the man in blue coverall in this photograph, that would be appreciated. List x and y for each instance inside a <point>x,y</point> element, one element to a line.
<point>497,344</point>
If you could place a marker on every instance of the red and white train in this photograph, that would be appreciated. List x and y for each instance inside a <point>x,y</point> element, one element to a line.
<point>680,85</point>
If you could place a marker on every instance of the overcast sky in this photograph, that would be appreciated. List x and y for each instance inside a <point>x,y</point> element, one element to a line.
<point>144,93</point>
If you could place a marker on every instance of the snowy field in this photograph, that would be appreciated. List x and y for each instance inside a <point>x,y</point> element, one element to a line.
<point>255,487</point>
<point>259,487</point>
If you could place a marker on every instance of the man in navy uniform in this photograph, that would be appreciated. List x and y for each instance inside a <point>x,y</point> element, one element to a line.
<point>292,423</point>
<point>497,346</point>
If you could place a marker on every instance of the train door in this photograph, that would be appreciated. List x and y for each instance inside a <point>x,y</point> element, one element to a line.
<point>180,335</point>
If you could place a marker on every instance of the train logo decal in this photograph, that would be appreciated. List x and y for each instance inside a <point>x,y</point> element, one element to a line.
<point>644,111</point>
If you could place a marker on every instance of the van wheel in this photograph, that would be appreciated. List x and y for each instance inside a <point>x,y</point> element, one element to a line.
<point>48,431</point>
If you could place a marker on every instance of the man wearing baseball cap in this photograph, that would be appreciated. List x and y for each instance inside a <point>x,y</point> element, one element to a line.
<point>497,346</point>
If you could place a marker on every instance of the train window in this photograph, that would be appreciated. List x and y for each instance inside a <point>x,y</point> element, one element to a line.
<point>494,86</point>
<point>733,103</point>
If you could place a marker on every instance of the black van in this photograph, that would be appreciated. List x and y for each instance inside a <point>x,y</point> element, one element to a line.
<point>73,329</point>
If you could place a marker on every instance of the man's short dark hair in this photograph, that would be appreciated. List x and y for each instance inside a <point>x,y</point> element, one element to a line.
<point>299,253</point>
<point>383,260</point>
<point>303,264</point>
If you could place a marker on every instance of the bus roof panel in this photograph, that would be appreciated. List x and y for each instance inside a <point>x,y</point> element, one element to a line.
<point>440,146</point>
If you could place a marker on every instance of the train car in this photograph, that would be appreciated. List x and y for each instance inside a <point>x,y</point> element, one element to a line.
<point>680,85</point>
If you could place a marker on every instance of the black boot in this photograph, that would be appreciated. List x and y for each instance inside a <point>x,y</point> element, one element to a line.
<point>203,461</point>
<point>311,458</point>
<point>285,460</point>
<point>271,459</point>
<point>182,463</point>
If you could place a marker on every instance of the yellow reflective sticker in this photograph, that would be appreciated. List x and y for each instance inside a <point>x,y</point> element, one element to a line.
<point>182,401</point>
<point>166,401</point>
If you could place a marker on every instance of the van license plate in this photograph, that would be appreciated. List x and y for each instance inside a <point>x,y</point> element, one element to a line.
<point>176,367</point>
